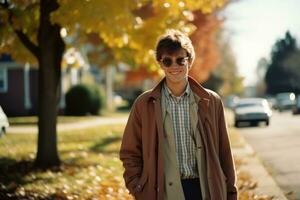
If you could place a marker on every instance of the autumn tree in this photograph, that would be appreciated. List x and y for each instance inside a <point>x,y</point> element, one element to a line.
<point>204,40</point>
<point>215,65</point>
<point>202,26</point>
<point>28,23</point>
<point>227,68</point>
<point>261,69</point>
<point>283,71</point>
<point>30,30</point>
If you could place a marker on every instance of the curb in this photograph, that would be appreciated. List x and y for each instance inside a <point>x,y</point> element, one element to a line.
<point>266,185</point>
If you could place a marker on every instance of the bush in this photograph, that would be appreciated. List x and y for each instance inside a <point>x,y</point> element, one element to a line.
<point>84,99</point>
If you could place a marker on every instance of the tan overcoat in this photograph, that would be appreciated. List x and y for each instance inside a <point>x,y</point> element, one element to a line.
<point>142,148</point>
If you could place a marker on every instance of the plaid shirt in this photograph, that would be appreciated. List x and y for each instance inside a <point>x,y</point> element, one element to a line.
<point>184,143</point>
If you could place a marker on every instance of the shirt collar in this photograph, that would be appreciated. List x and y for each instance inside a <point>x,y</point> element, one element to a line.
<point>168,92</point>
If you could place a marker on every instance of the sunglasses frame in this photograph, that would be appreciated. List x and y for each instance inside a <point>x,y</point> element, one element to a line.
<point>176,61</point>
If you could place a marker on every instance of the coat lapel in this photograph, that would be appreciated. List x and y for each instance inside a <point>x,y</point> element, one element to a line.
<point>159,126</point>
<point>203,112</point>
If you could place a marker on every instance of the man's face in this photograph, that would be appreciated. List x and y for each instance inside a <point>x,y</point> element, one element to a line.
<point>175,66</point>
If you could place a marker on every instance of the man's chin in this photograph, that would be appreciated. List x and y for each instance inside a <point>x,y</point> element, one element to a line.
<point>176,79</point>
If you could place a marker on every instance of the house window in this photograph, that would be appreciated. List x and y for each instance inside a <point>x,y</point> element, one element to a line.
<point>3,80</point>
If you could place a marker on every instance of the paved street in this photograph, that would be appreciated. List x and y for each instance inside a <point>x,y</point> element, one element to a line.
<point>279,148</point>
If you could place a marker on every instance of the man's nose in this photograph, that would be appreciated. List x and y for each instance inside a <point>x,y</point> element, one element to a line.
<point>175,64</point>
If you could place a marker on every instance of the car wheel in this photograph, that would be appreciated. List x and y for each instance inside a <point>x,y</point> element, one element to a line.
<point>267,123</point>
<point>295,112</point>
<point>236,124</point>
<point>2,131</point>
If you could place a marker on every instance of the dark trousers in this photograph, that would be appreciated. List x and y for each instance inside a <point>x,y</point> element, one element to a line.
<point>191,189</point>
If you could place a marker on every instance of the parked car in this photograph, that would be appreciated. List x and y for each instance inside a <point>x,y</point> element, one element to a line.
<point>3,122</point>
<point>252,110</point>
<point>272,101</point>
<point>230,101</point>
<point>296,107</point>
<point>285,101</point>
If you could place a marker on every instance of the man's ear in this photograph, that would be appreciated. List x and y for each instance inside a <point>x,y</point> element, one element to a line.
<point>160,64</point>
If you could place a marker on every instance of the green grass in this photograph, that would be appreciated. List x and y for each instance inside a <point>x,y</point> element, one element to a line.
<point>91,167</point>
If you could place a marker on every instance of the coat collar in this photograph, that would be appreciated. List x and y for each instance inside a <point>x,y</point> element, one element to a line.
<point>201,95</point>
<point>195,87</point>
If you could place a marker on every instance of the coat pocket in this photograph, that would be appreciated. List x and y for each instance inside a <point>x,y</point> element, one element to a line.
<point>224,183</point>
<point>141,183</point>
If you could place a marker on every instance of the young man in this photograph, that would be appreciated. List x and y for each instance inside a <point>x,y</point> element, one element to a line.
<point>175,144</point>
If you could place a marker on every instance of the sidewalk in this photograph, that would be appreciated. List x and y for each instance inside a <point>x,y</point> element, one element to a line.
<point>248,162</point>
<point>252,165</point>
<point>71,126</point>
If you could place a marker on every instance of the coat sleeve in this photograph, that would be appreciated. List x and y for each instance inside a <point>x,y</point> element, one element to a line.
<point>226,158</point>
<point>131,150</point>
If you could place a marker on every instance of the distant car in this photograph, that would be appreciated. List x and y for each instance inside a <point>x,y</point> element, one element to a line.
<point>272,102</point>
<point>3,122</point>
<point>296,107</point>
<point>252,110</point>
<point>285,101</point>
<point>230,101</point>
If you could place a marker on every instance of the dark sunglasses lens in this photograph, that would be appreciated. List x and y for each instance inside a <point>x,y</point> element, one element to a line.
<point>167,62</point>
<point>181,61</point>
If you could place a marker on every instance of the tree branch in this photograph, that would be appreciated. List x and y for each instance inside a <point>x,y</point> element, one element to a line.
<point>33,48</point>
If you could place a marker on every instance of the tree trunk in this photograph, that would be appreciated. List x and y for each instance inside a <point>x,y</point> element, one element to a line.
<point>51,48</point>
<point>109,88</point>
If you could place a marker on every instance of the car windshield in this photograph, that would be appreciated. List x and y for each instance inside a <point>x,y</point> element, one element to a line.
<point>243,105</point>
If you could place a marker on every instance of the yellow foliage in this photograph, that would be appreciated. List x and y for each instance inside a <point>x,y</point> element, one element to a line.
<point>119,24</point>
<point>129,34</point>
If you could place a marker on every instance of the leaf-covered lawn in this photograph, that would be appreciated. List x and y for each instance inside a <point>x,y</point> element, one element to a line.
<point>91,168</point>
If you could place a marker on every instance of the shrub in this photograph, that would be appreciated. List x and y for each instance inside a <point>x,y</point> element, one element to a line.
<point>84,99</point>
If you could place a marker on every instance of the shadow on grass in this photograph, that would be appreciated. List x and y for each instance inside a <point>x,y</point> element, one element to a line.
<point>100,146</point>
<point>28,194</point>
<point>12,173</point>
<point>17,169</point>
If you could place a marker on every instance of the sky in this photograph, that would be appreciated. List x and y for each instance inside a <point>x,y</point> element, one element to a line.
<point>255,25</point>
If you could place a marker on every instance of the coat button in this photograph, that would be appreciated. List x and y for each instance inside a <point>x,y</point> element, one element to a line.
<point>138,188</point>
<point>170,183</point>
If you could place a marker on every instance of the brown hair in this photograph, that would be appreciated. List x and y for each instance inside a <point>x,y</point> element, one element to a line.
<point>173,41</point>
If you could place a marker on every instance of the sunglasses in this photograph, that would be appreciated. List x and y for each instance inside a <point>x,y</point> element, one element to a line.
<point>167,61</point>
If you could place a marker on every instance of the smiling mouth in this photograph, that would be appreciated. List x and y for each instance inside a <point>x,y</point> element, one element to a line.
<point>174,73</point>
